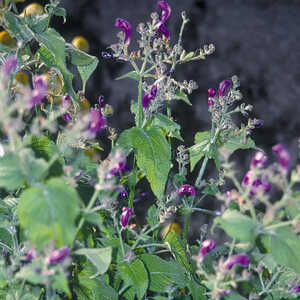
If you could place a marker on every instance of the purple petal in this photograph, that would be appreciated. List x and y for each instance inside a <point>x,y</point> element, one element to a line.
<point>149,96</point>
<point>39,92</point>
<point>166,11</point>
<point>164,31</point>
<point>211,93</point>
<point>259,160</point>
<point>125,216</point>
<point>97,121</point>
<point>238,259</point>
<point>186,189</point>
<point>206,246</point>
<point>101,101</point>
<point>294,290</point>
<point>67,117</point>
<point>224,85</point>
<point>284,156</point>
<point>126,27</point>
<point>10,64</point>
<point>210,102</point>
<point>58,255</point>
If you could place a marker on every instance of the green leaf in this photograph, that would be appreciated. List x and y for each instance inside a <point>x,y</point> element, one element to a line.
<point>171,127</point>
<point>93,289</point>
<point>133,75</point>
<point>180,95</point>
<point>239,142</point>
<point>197,291</point>
<point>284,247</point>
<point>39,23</point>
<point>100,258</point>
<point>234,296</point>
<point>152,215</point>
<point>238,226</point>
<point>18,28</point>
<point>202,142</point>
<point>33,169</point>
<point>135,274</point>
<point>153,155</point>
<point>10,176</point>
<point>163,273</point>
<point>85,63</point>
<point>42,213</point>
<point>178,249</point>
<point>55,44</point>
<point>60,282</point>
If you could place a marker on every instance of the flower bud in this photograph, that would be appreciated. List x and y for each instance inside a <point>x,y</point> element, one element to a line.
<point>125,216</point>
<point>206,246</point>
<point>259,160</point>
<point>58,256</point>
<point>211,92</point>
<point>284,156</point>
<point>186,189</point>
<point>238,259</point>
<point>294,290</point>
<point>223,87</point>
<point>126,27</point>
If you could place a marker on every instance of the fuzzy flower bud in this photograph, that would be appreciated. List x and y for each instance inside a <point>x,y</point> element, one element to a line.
<point>224,85</point>
<point>210,101</point>
<point>125,216</point>
<point>284,156</point>
<point>58,256</point>
<point>186,189</point>
<point>238,259</point>
<point>149,96</point>
<point>126,27</point>
<point>259,160</point>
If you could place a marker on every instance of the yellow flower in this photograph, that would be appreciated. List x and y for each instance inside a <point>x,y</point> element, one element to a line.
<point>22,78</point>
<point>170,227</point>
<point>81,43</point>
<point>84,104</point>
<point>33,9</point>
<point>7,40</point>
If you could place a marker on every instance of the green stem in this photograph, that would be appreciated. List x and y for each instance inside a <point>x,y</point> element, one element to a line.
<point>206,211</point>
<point>145,233</point>
<point>88,208</point>
<point>282,224</point>
<point>186,225</point>
<point>132,186</point>
<point>121,241</point>
<point>201,172</point>
<point>231,247</point>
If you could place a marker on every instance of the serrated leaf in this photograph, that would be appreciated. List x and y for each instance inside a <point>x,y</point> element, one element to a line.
<point>100,258</point>
<point>85,63</point>
<point>133,75</point>
<point>93,289</point>
<point>55,43</point>
<point>10,176</point>
<point>180,95</point>
<point>178,249</point>
<point>135,274</point>
<point>163,273</point>
<point>238,142</point>
<point>238,226</point>
<point>284,247</point>
<point>17,27</point>
<point>171,127</point>
<point>44,208</point>
<point>202,141</point>
<point>153,155</point>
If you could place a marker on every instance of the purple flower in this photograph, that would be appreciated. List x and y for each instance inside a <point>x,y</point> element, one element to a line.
<point>165,15</point>
<point>206,247</point>
<point>210,101</point>
<point>39,92</point>
<point>125,216</point>
<point>186,189</point>
<point>123,194</point>
<point>284,156</point>
<point>126,27</point>
<point>97,121</point>
<point>211,93</point>
<point>66,99</point>
<point>149,96</point>
<point>67,117</point>
<point>238,259</point>
<point>101,101</point>
<point>294,290</point>
<point>259,160</point>
<point>10,64</point>
<point>223,87</point>
<point>225,292</point>
<point>247,178</point>
<point>58,256</point>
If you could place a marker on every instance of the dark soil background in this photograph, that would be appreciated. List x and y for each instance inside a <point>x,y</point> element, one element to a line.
<point>258,40</point>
